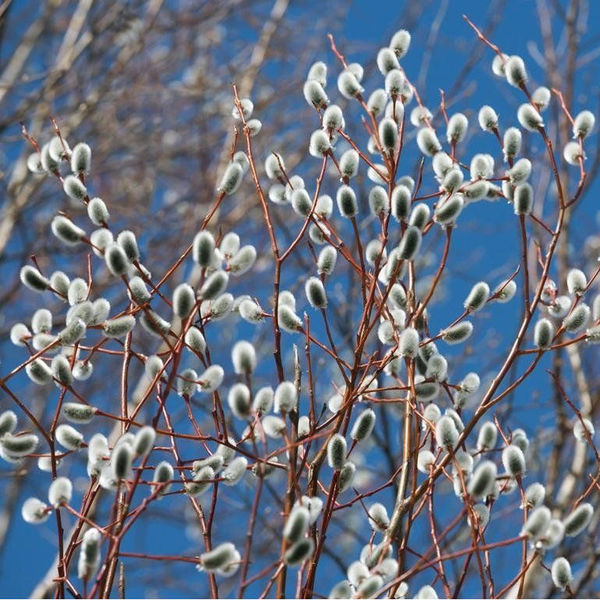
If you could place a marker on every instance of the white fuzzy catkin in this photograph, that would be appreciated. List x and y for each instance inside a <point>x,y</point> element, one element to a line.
<point>315,293</point>
<point>378,517</point>
<point>243,357</point>
<point>66,231</point>
<point>400,42</point>
<point>446,433</point>
<point>513,460</point>
<point>60,491</point>
<point>483,479</point>
<point>576,282</point>
<point>477,297</point>
<point>543,334</point>
<point>34,511</point>
<point>211,379</point>
<point>235,471</point>
<point>68,437</point>
<point>76,412</point>
<point>561,572</point>
<point>458,333</point>
<point>363,426</point>
<point>285,398</point>
<point>514,69</point>
<point>529,117</point>
<point>583,123</point>
<point>488,434</point>
<point>410,243</point>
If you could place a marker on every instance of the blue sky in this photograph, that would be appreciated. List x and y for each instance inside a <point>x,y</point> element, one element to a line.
<point>485,237</point>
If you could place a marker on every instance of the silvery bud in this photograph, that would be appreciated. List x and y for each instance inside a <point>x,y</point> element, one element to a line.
<point>428,142</point>
<point>81,159</point>
<point>336,452</point>
<point>529,117</point>
<point>583,124</point>
<point>68,437</point>
<point>477,297</point>
<point>514,69</point>
<point>348,85</point>
<point>576,282</point>
<point>523,199</point>
<point>543,334</point>
<point>74,188</point>
<point>486,439</point>
<point>488,118</point>
<point>512,142</point>
<point>349,163</point>
<point>232,177</point>
<point>400,42</point>
<point>346,201</point>
<point>78,413</point>
<point>60,491</point>
<point>286,397</point>
<point>314,94</point>
<point>446,433</point>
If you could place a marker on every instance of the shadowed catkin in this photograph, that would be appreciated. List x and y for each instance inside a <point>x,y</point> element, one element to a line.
<point>89,554</point>
<point>218,557</point>
<point>447,211</point>
<point>78,413</point>
<point>457,333</point>
<point>514,69</point>
<point>8,422</point>
<point>578,519</point>
<point>66,231</point>
<point>296,524</point>
<point>363,426</point>
<point>336,452</point>
<point>214,285</point>
<point>232,178</point>
<point>543,334</point>
<point>400,202</point>
<point>299,552</point>
<point>410,243</point>
<point>483,479</point>
<point>203,249</point>
<point>477,297</point>
<point>163,474</point>
<point>523,199</point>
<point>143,441</point>
<point>428,142</point>
<point>537,523</point>
<point>315,293</point>
<point>121,460</point>
<point>238,399</point>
